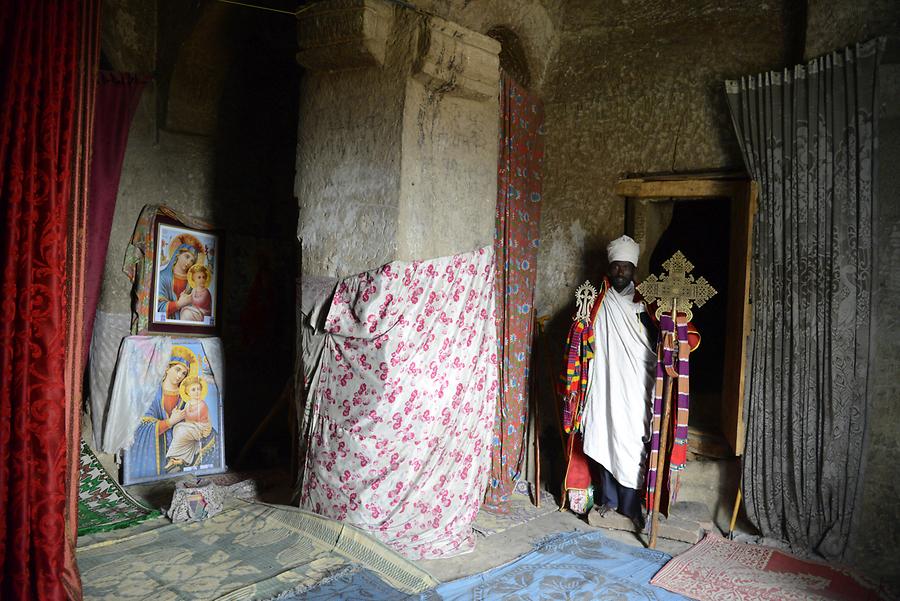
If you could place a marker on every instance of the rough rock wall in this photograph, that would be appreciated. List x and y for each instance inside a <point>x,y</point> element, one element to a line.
<point>880,512</point>
<point>348,163</point>
<point>159,166</point>
<point>536,24</point>
<point>637,88</point>
<point>833,25</point>
<point>448,173</point>
<point>396,152</point>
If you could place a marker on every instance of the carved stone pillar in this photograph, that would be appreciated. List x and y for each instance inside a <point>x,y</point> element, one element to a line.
<point>397,140</point>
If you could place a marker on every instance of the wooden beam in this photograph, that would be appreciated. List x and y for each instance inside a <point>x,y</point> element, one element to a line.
<point>686,188</point>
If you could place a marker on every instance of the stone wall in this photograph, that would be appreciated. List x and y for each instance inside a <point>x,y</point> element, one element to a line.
<point>397,137</point>
<point>833,24</point>
<point>636,88</point>
<point>879,527</point>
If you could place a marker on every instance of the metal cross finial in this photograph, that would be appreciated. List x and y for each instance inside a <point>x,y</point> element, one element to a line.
<point>585,295</point>
<point>677,290</point>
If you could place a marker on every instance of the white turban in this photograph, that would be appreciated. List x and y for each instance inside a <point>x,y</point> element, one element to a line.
<point>623,249</point>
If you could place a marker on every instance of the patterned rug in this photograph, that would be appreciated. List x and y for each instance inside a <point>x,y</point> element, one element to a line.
<point>103,505</point>
<point>716,568</point>
<point>521,511</point>
<point>572,565</point>
<point>249,551</point>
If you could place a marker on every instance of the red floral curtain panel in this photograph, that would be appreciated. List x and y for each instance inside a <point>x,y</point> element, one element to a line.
<point>48,57</point>
<point>516,245</point>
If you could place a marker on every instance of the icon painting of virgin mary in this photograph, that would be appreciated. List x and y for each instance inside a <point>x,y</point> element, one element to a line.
<point>183,257</point>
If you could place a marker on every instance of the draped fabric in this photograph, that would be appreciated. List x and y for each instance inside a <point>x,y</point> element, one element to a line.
<point>516,245</point>
<point>673,363</point>
<point>48,57</point>
<point>808,136</point>
<point>401,413</point>
<point>117,99</point>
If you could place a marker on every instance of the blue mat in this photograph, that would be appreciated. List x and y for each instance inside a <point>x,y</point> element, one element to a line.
<point>573,565</point>
<point>355,583</point>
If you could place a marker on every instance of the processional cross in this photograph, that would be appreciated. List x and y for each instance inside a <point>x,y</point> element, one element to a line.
<point>677,290</point>
<point>674,292</point>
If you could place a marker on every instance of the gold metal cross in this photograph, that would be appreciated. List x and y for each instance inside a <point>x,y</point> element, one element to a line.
<point>677,290</point>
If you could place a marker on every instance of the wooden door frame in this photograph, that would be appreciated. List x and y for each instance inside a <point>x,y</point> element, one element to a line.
<point>742,192</point>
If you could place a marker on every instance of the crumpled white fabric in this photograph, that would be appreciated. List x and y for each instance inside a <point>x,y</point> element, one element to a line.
<point>139,372</point>
<point>403,409</point>
<point>109,331</point>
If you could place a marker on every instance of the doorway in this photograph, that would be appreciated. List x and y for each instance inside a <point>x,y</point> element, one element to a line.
<point>708,218</point>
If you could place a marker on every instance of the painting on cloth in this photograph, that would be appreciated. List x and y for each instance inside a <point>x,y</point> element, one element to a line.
<point>186,279</point>
<point>180,430</point>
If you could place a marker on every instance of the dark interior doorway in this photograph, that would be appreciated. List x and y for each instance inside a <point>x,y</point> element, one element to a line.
<point>709,217</point>
<point>700,229</point>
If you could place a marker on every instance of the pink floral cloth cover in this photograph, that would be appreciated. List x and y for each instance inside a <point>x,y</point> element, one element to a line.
<point>402,414</point>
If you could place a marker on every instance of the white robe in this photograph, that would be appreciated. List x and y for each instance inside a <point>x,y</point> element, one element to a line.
<point>620,384</point>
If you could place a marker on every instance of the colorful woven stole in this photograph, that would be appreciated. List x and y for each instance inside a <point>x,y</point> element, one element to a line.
<point>673,362</point>
<point>580,351</point>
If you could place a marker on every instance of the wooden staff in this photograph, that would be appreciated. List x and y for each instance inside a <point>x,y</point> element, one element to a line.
<point>683,290</point>
<point>734,512</point>
<point>536,424</point>
<point>537,452</point>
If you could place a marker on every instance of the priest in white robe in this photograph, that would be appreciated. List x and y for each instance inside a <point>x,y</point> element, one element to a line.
<point>610,391</point>
<point>616,422</point>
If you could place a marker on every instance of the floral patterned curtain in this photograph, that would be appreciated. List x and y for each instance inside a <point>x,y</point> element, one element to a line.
<point>516,245</point>
<point>48,62</point>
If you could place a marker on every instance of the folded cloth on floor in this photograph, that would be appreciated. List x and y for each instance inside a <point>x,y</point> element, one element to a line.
<point>202,499</point>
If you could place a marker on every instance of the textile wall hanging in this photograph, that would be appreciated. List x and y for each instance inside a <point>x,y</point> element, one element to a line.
<point>516,245</point>
<point>401,413</point>
<point>809,136</point>
<point>48,65</point>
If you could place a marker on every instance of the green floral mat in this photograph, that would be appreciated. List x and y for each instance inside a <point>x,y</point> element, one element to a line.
<point>103,505</point>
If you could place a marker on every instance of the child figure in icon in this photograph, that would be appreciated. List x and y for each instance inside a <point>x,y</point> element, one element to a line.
<point>188,435</point>
<point>199,277</point>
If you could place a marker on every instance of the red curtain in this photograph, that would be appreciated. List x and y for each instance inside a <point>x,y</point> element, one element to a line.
<point>117,98</point>
<point>516,244</point>
<point>48,56</point>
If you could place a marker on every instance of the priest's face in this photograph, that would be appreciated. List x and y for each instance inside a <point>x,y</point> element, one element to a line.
<point>620,273</point>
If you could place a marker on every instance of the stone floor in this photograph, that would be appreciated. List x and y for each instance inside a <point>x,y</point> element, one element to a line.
<point>490,551</point>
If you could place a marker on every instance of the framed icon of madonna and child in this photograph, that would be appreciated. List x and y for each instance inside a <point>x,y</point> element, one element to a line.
<point>180,432</point>
<point>187,280</point>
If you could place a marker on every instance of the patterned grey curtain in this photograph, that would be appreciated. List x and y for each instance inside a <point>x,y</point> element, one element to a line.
<point>808,136</point>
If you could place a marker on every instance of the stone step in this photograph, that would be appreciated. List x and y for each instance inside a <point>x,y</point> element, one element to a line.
<point>687,522</point>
